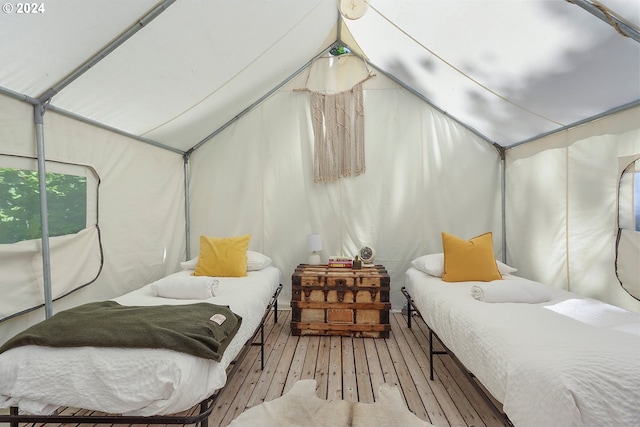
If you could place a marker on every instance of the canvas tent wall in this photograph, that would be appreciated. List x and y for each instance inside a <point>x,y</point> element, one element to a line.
<point>425,173</point>
<point>141,214</point>
<point>562,206</point>
<point>223,78</point>
<point>422,169</point>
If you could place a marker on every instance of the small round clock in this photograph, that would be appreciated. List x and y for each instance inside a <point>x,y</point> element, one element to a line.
<point>367,254</point>
<point>353,9</point>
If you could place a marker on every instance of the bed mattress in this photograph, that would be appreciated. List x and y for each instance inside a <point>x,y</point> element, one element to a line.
<point>570,361</point>
<point>133,381</point>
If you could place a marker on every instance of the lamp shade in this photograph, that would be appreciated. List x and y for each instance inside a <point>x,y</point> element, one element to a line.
<point>314,242</point>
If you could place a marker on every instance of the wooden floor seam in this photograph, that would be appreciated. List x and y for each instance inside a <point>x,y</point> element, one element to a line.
<point>353,369</point>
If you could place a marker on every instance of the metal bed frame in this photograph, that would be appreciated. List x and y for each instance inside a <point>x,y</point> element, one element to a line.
<point>411,307</point>
<point>206,406</point>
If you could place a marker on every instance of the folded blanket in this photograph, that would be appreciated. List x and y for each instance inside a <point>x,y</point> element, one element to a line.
<point>186,287</point>
<point>202,330</point>
<point>498,291</point>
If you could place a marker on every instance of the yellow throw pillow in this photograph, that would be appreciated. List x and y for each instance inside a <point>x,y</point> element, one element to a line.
<point>471,260</point>
<point>223,256</point>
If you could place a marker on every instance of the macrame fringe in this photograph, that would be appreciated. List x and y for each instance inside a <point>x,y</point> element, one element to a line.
<point>336,153</point>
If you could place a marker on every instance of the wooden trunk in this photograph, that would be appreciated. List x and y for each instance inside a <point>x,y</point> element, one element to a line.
<point>340,301</point>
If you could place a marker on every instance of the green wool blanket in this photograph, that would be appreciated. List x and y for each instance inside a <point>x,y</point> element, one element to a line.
<point>184,328</point>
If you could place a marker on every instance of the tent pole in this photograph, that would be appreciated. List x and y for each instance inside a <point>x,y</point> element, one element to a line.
<point>431,104</point>
<point>100,55</point>
<point>503,187</point>
<point>605,14</point>
<point>82,119</point>
<point>39,111</point>
<point>100,125</point>
<point>340,21</point>
<point>19,96</point>
<point>610,112</point>
<point>259,101</point>
<point>187,214</point>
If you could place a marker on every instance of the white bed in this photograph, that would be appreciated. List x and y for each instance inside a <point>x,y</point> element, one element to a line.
<point>570,361</point>
<point>141,382</point>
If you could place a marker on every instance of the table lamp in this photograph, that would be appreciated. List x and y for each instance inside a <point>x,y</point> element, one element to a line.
<point>314,245</point>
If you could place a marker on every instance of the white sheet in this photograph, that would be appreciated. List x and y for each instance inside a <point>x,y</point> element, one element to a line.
<point>133,381</point>
<point>552,363</point>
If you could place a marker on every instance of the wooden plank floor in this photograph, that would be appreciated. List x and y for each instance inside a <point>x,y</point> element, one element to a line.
<point>352,369</point>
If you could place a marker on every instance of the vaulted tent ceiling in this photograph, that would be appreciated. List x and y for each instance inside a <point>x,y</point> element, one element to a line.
<point>510,70</point>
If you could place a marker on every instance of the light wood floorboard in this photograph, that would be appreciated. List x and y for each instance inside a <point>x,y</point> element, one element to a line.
<point>353,369</point>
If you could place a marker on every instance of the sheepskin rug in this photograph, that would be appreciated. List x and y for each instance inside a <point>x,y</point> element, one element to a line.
<point>301,407</point>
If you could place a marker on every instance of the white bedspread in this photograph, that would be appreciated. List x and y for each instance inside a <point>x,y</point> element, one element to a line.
<point>571,361</point>
<point>133,381</point>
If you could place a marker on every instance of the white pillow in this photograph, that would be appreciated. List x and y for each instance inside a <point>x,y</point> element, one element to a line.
<point>255,261</point>
<point>433,265</point>
<point>189,265</point>
<point>178,286</point>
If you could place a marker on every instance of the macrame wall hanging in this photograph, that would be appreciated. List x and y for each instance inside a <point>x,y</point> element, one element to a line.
<point>338,130</point>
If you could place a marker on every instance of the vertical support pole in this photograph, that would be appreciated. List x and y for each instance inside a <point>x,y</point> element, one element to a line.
<point>503,188</point>
<point>187,214</point>
<point>39,111</point>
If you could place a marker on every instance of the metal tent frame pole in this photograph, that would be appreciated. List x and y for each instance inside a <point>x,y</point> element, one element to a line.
<point>104,52</point>
<point>428,102</point>
<point>257,102</point>
<point>39,111</point>
<point>607,113</point>
<point>503,201</point>
<point>187,201</point>
<point>40,107</point>
<point>605,14</point>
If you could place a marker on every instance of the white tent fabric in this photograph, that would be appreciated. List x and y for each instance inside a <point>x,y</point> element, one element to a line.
<point>200,63</point>
<point>539,96</point>
<point>265,185</point>
<point>507,77</point>
<point>22,268</point>
<point>567,235</point>
<point>141,210</point>
<point>628,251</point>
<point>23,274</point>
<point>190,70</point>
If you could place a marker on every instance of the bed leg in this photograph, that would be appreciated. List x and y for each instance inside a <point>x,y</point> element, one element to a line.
<point>262,347</point>
<point>203,407</point>
<point>275,311</point>
<point>430,354</point>
<point>409,306</point>
<point>13,411</point>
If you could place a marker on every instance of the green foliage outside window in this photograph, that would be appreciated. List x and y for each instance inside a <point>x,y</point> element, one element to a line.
<point>20,204</point>
<point>338,50</point>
